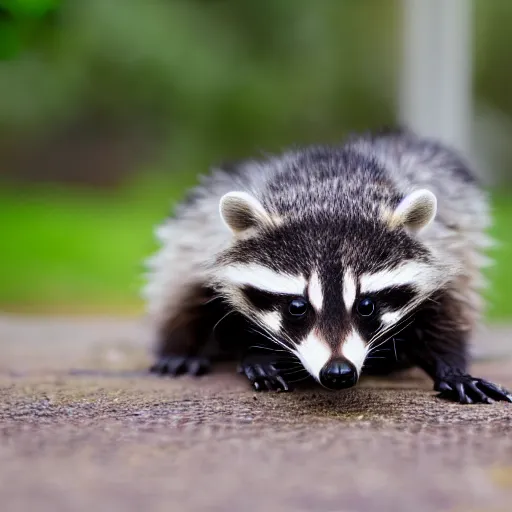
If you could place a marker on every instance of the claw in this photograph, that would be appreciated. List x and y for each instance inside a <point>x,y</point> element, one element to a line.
<point>264,377</point>
<point>468,390</point>
<point>197,367</point>
<point>480,396</point>
<point>179,365</point>
<point>494,391</point>
<point>284,386</point>
<point>442,386</point>
<point>459,387</point>
<point>269,384</point>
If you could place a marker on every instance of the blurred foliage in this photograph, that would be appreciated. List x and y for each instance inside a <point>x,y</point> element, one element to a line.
<point>69,250</point>
<point>216,77</point>
<point>493,66</point>
<point>207,80</point>
<point>20,20</point>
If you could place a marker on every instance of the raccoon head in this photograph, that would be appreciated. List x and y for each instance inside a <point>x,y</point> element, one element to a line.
<point>328,288</point>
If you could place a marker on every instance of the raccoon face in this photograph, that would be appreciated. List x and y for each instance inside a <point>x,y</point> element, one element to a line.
<point>326,294</point>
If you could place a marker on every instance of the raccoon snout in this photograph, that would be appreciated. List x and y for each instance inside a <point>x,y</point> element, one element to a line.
<point>338,374</point>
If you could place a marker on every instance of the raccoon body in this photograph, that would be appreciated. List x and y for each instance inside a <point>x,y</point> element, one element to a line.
<point>327,261</point>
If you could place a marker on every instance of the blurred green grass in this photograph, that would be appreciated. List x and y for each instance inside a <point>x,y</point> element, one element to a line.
<point>65,250</point>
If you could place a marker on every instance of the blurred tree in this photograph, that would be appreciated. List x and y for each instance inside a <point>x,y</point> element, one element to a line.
<point>20,20</point>
<point>187,83</point>
<point>206,80</point>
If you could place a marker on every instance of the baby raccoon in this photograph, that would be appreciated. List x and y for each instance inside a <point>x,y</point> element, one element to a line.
<point>338,261</point>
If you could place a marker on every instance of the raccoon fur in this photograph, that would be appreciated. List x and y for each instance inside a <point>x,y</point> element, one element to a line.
<point>330,262</point>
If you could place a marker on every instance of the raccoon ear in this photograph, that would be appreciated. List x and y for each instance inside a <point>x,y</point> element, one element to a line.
<point>241,211</point>
<point>415,211</point>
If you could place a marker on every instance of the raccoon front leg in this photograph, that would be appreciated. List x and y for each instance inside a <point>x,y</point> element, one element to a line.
<point>183,337</point>
<point>454,384</point>
<point>177,354</point>
<point>440,349</point>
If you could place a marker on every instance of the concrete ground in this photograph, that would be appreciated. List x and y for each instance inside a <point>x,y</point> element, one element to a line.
<point>84,428</point>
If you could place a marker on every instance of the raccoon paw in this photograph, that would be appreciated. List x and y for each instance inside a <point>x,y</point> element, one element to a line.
<point>179,365</point>
<point>466,389</point>
<point>264,377</point>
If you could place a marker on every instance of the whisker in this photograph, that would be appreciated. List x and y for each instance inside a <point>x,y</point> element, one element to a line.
<point>288,363</point>
<point>268,335</point>
<point>300,380</point>
<point>388,338</point>
<point>383,341</point>
<point>272,349</point>
<point>390,328</point>
<point>225,316</point>
<point>217,297</point>
<point>287,338</point>
<point>294,372</point>
<point>409,311</point>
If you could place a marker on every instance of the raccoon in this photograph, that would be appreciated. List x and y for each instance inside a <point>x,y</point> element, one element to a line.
<point>331,261</point>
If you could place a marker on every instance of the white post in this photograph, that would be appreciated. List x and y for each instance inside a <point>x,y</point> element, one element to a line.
<point>436,88</point>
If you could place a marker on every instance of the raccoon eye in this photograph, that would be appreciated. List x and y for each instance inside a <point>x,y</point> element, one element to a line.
<point>297,308</point>
<point>366,307</point>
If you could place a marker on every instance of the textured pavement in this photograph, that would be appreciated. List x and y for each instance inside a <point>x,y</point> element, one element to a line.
<point>84,428</point>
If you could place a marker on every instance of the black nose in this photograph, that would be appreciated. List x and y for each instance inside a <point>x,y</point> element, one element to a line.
<point>338,374</point>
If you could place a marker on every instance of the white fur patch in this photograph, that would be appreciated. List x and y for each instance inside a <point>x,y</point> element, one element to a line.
<point>263,278</point>
<point>315,292</point>
<point>349,289</point>
<point>162,233</point>
<point>313,354</point>
<point>391,317</point>
<point>354,349</point>
<point>272,320</point>
<point>413,273</point>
